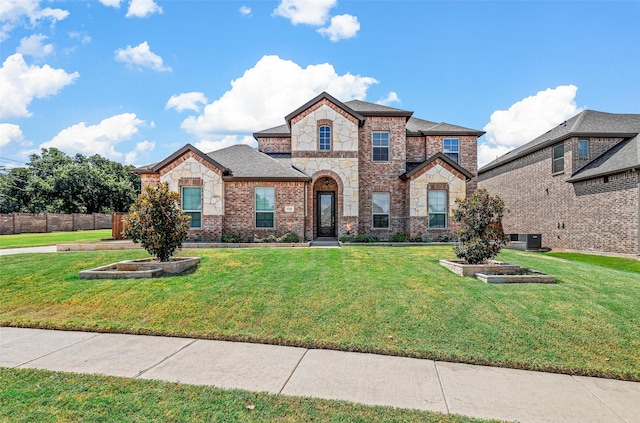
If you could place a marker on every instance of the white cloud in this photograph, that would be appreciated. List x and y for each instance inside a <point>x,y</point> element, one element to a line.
<point>21,83</point>
<point>14,13</point>
<point>142,8</point>
<point>84,38</point>
<point>140,57</point>
<point>526,120</point>
<point>311,12</point>
<point>186,101</point>
<point>34,46</point>
<point>392,97</point>
<point>217,142</point>
<point>97,139</point>
<point>341,27</point>
<point>141,147</point>
<point>111,3</point>
<point>10,133</point>
<point>245,11</point>
<point>270,90</point>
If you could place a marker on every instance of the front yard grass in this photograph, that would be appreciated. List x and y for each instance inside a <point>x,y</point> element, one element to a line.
<point>52,238</point>
<point>41,396</point>
<point>385,300</point>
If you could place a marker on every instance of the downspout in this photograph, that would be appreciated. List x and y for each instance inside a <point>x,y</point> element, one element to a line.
<point>304,218</point>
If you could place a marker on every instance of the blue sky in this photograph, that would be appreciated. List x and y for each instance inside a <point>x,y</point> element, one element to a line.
<point>135,80</point>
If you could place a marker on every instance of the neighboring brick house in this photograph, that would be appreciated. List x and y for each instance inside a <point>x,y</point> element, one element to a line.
<point>334,169</point>
<point>578,184</point>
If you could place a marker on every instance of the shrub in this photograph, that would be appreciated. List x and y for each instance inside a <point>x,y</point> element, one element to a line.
<point>290,237</point>
<point>156,221</point>
<point>230,238</point>
<point>480,235</point>
<point>346,239</point>
<point>399,238</point>
<point>364,238</point>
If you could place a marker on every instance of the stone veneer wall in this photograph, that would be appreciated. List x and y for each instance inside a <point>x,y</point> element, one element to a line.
<point>240,209</point>
<point>340,163</point>
<point>191,170</point>
<point>589,216</point>
<point>418,207</point>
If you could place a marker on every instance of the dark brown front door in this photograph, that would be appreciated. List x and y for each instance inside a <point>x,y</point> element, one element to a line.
<point>326,214</point>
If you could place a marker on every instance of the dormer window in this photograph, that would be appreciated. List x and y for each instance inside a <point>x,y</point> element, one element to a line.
<point>451,149</point>
<point>324,138</point>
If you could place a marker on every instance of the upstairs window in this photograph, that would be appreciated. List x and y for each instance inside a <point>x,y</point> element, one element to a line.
<point>380,146</point>
<point>265,207</point>
<point>437,208</point>
<point>558,158</point>
<point>380,208</point>
<point>325,138</point>
<point>583,149</point>
<point>451,149</point>
<point>192,205</point>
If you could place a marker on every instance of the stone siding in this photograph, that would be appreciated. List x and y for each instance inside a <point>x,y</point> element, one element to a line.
<point>592,215</point>
<point>304,128</point>
<point>186,170</point>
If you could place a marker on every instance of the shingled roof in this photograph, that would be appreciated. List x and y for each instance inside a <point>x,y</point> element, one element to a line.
<point>246,163</point>
<point>587,123</point>
<point>623,156</point>
<point>361,109</point>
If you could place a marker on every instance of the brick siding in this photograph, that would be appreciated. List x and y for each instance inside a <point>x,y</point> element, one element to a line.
<point>590,215</point>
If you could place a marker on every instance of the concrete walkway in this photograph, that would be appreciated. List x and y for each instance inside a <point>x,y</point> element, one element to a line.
<point>48,249</point>
<point>477,391</point>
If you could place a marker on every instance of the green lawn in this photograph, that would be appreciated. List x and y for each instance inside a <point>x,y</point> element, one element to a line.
<point>631,265</point>
<point>42,396</point>
<point>373,299</point>
<point>52,238</point>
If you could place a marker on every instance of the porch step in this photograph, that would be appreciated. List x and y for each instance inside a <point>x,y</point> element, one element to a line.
<point>325,243</point>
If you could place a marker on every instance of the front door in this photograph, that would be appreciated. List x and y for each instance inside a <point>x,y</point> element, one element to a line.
<point>326,214</point>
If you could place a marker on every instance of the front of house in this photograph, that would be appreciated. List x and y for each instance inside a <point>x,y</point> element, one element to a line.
<point>333,169</point>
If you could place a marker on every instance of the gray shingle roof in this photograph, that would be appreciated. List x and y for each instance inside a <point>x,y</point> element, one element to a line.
<point>365,108</point>
<point>276,131</point>
<point>586,123</point>
<point>623,156</point>
<point>421,126</point>
<point>246,162</point>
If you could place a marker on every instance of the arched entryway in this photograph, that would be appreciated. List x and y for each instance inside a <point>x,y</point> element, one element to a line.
<point>325,206</point>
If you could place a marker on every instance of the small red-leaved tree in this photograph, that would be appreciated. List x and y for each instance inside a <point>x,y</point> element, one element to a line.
<point>156,221</point>
<point>480,235</point>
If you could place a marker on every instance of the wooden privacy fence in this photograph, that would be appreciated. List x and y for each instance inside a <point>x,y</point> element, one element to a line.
<point>117,225</point>
<point>19,223</point>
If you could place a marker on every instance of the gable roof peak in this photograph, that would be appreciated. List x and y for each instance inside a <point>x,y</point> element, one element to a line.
<point>324,95</point>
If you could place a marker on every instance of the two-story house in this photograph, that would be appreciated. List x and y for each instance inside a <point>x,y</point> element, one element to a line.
<point>333,169</point>
<point>578,184</point>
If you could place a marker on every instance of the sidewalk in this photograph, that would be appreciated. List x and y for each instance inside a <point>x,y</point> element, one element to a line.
<point>477,391</point>
<point>48,249</point>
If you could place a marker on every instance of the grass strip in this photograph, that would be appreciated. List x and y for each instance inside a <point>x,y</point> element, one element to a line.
<point>611,262</point>
<point>52,238</point>
<point>28,395</point>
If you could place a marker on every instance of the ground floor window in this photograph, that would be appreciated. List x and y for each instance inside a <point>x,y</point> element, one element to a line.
<point>437,209</point>
<point>192,205</point>
<point>265,207</point>
<point>380,207</point>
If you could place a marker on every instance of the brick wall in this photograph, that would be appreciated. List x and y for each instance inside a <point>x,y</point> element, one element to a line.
<point>274,144</point>
<point>590,216</point>
<point>383,176</point>
<point>240,209</point>
<point>17,223</point>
